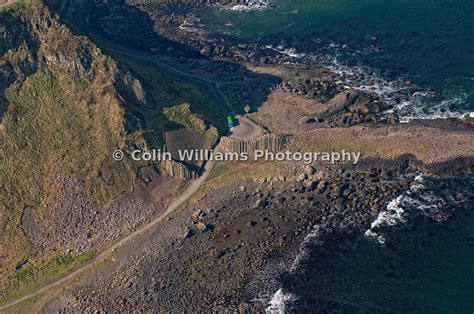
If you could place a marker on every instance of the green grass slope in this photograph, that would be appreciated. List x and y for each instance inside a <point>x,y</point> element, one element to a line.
<point>54,122</point>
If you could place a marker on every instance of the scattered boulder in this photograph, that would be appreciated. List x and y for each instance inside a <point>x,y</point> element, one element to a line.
<point>321,185</point>
<point>251,224</point>
<point>311,185</point>
<point>202,227</point>
<point>219,253</point>
<point>346,192</point>
<point>392,118</point>
<point>189,233</point>
<point>197,214</point>
<point>340,204</point>
<point>147,173</point>
<point>306,119</point>
<point>320,175</point>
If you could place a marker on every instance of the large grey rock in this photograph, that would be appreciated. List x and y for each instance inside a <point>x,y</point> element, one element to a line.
<point>302,177</point>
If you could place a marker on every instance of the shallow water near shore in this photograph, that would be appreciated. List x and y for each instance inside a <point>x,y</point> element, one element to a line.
<point>429,42</point>
<point>423,266</point>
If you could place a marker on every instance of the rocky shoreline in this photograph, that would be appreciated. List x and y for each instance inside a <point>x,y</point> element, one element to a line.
<point>229,249</point>
<point>245,5</point>
<point>391,95</point>
<point>388,96</point>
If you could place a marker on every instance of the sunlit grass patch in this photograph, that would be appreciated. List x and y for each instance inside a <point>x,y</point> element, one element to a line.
<point>32,276</point>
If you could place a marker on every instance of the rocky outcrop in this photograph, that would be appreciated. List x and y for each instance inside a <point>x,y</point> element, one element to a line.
<point>31,38</point>
<point>313,83</point>
<point>179,170</point>
<point>270,142</point>
<point>352,107</point>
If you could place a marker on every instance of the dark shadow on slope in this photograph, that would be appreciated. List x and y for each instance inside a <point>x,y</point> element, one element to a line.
<point>14,66</point>
<point>214,88</point>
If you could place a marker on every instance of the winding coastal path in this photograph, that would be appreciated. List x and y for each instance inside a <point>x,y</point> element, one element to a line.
<point>209,86</point>
<point>245,129</point>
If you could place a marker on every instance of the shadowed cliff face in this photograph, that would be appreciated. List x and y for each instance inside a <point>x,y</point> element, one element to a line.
<point>33,39</point>
<point>133,28</point>
<point>16,59</point>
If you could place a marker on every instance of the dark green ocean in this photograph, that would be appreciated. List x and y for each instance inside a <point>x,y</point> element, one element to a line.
<point>424,266</point>
<point>425,263</point>
<point>428,41</point>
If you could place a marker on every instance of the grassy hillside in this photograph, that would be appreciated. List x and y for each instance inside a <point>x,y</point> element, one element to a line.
<point>29,278</point>
<point>66,108</point>
<point>63,113</point>
<point>54,122</point>
<point>7,3</point>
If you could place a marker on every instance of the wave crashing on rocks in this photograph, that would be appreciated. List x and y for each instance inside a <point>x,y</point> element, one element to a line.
<point>407,100</point>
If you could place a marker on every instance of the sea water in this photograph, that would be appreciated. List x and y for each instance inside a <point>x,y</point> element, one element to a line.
<point>406,261</point>
<point>427,41</point>
<point>410,259</point>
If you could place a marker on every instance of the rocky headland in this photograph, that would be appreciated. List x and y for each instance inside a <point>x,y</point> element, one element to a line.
<point>229,246</point>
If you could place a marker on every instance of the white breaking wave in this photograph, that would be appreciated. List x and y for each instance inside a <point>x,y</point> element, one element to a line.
<point>417,197</point>
<point>419,105</point>
<point>291,52</point>
<point>411,109</point>
<point>415,111</point>
<point>394,213</point>
<point>279,302</point>
<point>391,217</point>
<point>252,5</point>
<point>309,239</point>
<point>190,26</point>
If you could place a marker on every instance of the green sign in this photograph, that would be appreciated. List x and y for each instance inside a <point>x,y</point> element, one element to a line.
<point>230,122</point>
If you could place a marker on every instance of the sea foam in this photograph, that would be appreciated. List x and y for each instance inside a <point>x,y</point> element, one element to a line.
<point>279,302</point>
<point>419,104</point>
<point>418,198</point>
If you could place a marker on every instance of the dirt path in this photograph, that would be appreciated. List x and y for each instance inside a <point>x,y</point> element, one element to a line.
<point>248,131</point>
<point>245,129</point>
